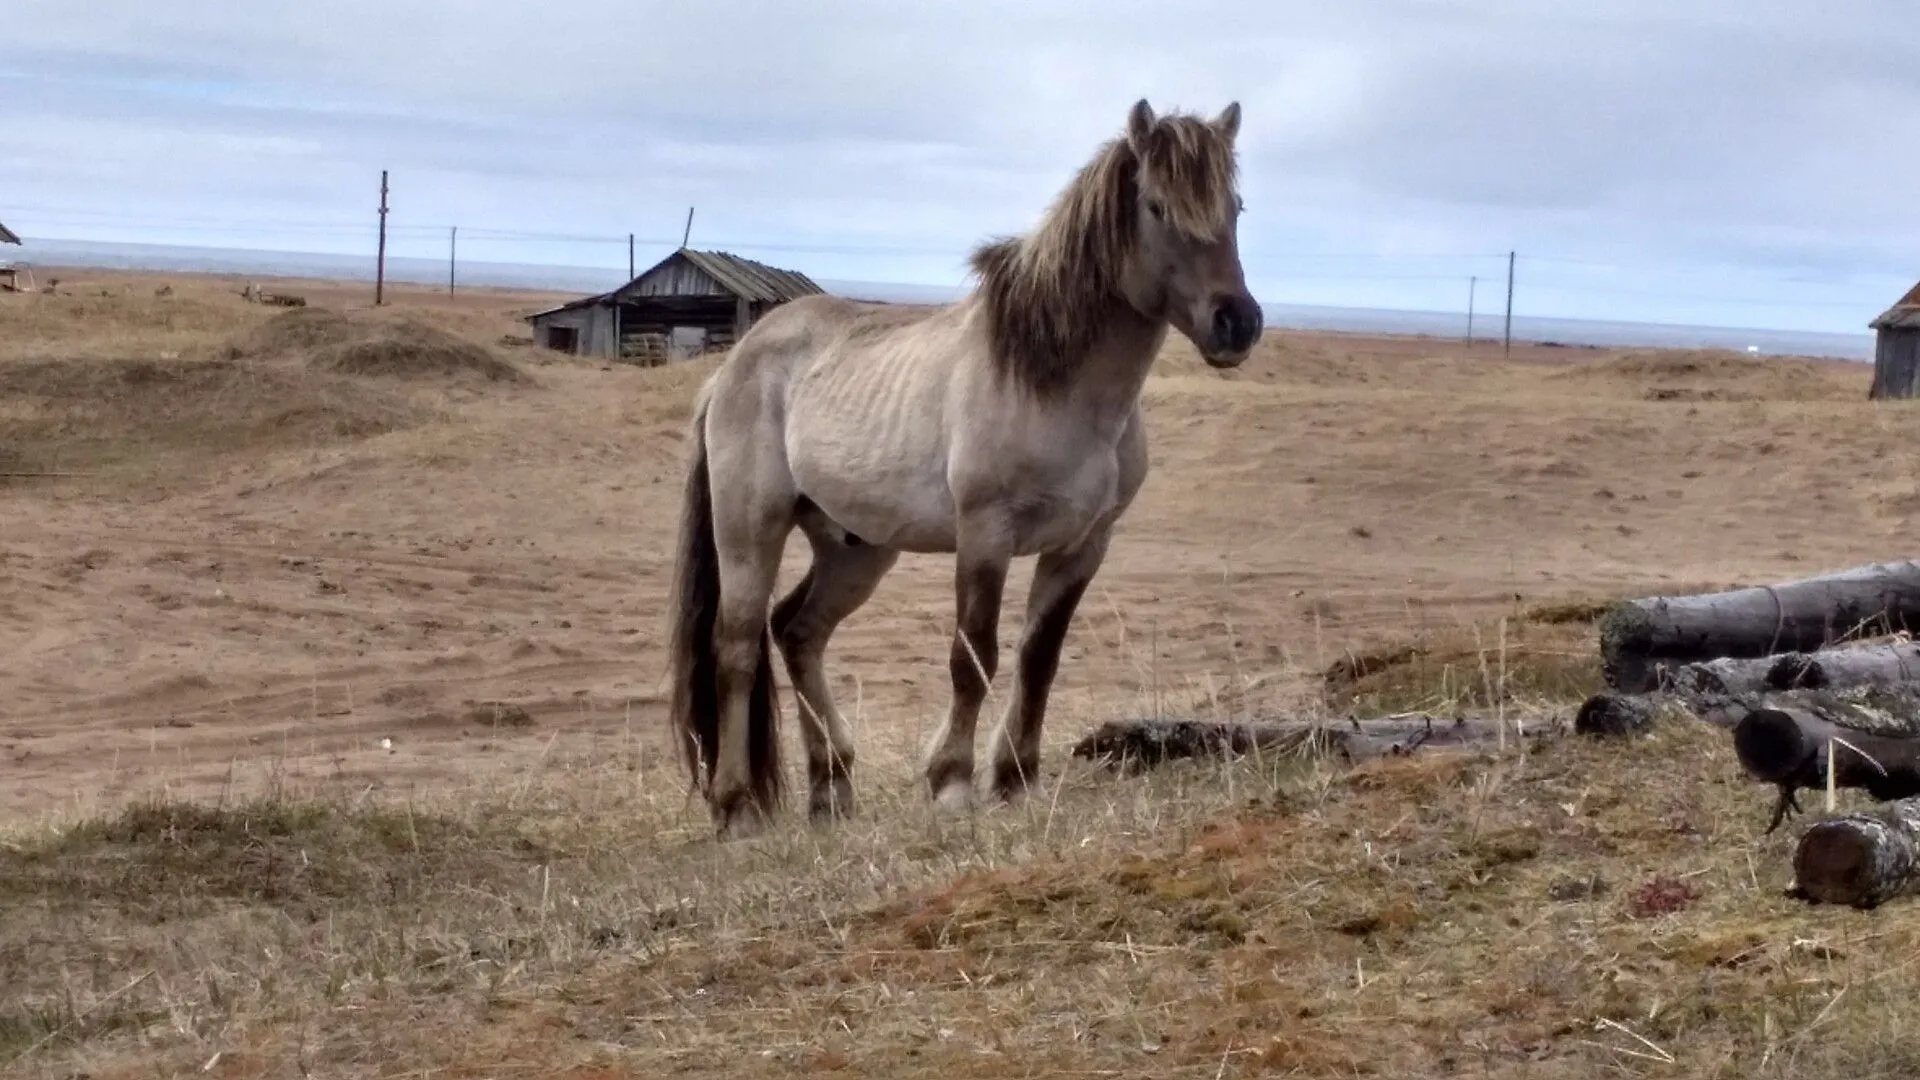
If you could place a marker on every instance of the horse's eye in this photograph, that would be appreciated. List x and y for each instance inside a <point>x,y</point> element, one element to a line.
<point>1153,207</point>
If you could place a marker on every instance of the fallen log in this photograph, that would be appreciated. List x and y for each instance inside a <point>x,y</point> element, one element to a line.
<point>1862,859</point>
<point>1615,715</point>
<point>1890,664</point>
<point>1786,738</point>
<point>1884,664</point>
<point>1133,746</point>
<point>1641,638</point>
<point>1725,675</point>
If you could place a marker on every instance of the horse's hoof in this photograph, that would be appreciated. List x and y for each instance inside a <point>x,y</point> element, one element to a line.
<point>956,798</point>
<point>742,822</point>
<point>1014,783</point>
<point>832,801</point>
<point>1014,792</point>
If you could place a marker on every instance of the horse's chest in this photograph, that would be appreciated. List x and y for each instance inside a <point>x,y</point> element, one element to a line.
<point>1052,503</point>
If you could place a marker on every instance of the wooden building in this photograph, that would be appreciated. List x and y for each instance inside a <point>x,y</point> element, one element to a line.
<point>9,273</point>
<point>1896,355</point>
<point>687,303</point>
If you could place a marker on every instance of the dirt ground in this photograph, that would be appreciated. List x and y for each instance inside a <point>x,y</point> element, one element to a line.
<point>240,554</point>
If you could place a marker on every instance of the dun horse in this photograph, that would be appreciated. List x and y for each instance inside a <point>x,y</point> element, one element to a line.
<point>1003,425</point>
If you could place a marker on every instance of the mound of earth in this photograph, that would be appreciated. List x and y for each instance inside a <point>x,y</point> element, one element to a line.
<point>1715,375</point>
<point>87,412</point>
<point>415,350</point>
<point>297,330</point>
<point>406,347</point>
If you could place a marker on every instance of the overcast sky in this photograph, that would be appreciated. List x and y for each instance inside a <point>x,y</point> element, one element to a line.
<point>1742,163</point>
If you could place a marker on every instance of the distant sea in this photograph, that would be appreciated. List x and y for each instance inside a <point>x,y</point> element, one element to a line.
<point>588,280</point>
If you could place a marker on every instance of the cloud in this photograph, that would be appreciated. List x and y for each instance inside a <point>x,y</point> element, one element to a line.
<point>1762,144</point>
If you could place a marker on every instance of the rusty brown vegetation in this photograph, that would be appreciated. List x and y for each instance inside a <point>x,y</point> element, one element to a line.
<point>333,744</point>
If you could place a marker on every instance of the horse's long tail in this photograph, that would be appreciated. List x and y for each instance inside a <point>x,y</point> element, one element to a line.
<point>695,604</point>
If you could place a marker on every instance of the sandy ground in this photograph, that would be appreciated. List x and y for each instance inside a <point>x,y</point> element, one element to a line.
<point>196,603</point>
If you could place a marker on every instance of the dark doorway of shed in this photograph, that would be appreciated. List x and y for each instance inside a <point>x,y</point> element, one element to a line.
<point>563,338</point>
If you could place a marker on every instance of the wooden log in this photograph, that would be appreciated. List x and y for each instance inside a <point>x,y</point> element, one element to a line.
<point>1134,746</point>
<point>1863,859</point>
<point>1886,664</point>
<point>1639,638</point>
<point>1872,734</point>
<point>1891,664</point>
<point>1726,675</point>
<point>1615,715</point>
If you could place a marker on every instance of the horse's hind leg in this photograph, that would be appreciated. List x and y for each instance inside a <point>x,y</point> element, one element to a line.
<point>750,534</point>
<point>844,576</point>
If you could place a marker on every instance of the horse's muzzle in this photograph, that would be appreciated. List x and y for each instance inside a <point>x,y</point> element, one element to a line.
<point>1236,329</point>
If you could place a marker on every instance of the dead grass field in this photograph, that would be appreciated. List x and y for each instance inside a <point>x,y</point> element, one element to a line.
<point>241,547</point>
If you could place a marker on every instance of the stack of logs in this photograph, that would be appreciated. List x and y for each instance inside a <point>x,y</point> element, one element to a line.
<point>1819,683</point>
<point>1816,679</point>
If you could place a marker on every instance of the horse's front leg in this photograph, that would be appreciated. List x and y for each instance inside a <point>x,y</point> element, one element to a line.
<point>1060,579</point>
<point>980,578</point>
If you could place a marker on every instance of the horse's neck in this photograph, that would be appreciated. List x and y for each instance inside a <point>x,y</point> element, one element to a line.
<point>1115,369</point>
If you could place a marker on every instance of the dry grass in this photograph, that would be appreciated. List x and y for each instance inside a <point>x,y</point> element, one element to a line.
<point>1456,915</point>
<point>338,742</point>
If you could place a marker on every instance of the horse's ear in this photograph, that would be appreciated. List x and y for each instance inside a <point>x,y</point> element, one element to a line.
<point>1140,125</point>
<point>1228,122</point>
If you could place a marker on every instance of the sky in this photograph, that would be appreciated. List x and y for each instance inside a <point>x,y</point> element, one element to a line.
<point>1745,163</point>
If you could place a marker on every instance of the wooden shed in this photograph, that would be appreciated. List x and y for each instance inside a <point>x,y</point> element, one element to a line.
<point>1896,355</point>
<point>686,303</point>
<point>9,273</point>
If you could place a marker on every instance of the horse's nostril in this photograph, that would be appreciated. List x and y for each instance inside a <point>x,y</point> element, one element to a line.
<point>1236,324</point>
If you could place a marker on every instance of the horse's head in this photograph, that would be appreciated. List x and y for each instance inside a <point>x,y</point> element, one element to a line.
<point>1186,258</point>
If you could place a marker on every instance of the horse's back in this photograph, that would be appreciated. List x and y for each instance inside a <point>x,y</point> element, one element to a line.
<point>853,397</point>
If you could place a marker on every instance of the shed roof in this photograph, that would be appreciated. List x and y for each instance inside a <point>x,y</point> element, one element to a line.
<point>7,236</point>
<point>1904,315</point>
<point>741,276</point>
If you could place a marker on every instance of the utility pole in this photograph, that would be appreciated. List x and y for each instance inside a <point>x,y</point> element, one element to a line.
<point>685,236</point>
<point>1472,282</point>
<point>1508,347</point>
<point>629,256</point>
<point>379,273</point>
<point>453,250</point>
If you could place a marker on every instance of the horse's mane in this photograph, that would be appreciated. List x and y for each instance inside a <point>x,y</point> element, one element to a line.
<point>1048,295</point>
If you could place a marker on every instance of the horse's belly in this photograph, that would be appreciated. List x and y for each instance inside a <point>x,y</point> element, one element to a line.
<point>897,501</point>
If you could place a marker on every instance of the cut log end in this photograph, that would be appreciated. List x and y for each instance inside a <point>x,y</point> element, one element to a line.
<point>1613,716</point>
<point>1836,864</point>
<point>1770,745</point>
<point>1627,634</point>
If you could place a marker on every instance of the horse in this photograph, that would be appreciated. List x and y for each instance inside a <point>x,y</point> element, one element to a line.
<point>1003,425</point>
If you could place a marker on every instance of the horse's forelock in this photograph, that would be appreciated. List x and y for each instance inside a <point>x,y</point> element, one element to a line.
<point>1189,165</point>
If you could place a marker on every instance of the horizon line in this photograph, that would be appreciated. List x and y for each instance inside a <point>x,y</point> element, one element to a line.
<point>842,285</point>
